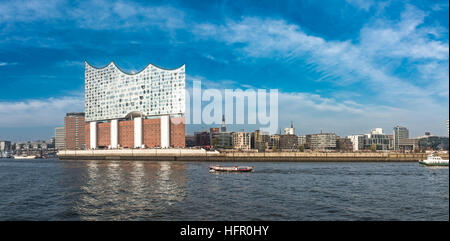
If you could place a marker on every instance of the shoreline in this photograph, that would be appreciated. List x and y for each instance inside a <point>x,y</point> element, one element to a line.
<point>199,155</point>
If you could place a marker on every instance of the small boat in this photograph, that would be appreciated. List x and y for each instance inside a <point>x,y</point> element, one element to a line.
<point>434,160</point>
<point>24,157</point>
<point>231,169</point>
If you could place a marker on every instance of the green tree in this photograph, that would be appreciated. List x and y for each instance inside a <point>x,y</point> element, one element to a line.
<point>301,148</point>
<point>215,142</point>
<point>373,148</point>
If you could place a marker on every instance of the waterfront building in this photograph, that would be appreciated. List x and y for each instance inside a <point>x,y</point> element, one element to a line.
<point>289,130</point>
<point>259,140</point>
<point>225,140</point>
<point>274,142</point>
<point>60,136</point>
<point>289,142</point>
<point>214,136</point>
<point>400,133</point>
<point>344,144</point>
<point>202,138</point>
<point>408,145</point>
<point>5,146</point>
<point>357,142</point>
<point>134,110</point>
<point>190,141</point>
<point>241,140</point>
<point>74,126</point>
<point>301,140</point>
<point>430,142</point>
<point>377,140</point>
<point>321,142</point>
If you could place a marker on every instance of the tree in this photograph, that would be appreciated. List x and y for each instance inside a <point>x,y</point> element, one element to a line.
<point>373,148</point>
<point>301,148</point>
<point>215,142</point>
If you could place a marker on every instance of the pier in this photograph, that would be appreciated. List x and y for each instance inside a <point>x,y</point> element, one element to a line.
<point>215,156</point>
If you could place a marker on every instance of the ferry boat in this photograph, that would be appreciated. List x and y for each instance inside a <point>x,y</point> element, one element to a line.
<point>231,169</point>
<point>24,157</point>
<point>434,160</point>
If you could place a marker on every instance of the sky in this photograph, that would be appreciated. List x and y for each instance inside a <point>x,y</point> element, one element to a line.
<point>343,66</point>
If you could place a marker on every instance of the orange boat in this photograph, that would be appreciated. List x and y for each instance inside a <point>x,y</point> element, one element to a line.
<point>231,169</point>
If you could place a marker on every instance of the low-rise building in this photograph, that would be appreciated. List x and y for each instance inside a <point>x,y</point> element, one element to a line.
<point>241,140</point>
<point>321,142</point>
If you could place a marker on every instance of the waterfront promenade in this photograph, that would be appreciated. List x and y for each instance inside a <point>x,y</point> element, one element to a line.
<point>203,155</point>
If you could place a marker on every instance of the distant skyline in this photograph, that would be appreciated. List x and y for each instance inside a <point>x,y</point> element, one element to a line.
<point>343,66</point>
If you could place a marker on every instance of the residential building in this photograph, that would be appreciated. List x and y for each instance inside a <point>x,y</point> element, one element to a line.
<point>274,142</point>
<point>241,140</point>
<point>344,144</point>
<point>357,142</point>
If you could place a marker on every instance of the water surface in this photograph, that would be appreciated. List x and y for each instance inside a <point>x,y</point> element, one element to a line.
<point>145,190</point>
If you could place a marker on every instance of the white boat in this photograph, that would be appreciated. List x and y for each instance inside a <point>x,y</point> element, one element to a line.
<point>24,157</point>
<point>230,169</point>
<point>434,160</point>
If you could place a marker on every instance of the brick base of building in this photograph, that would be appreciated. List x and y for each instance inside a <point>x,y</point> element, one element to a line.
<point>151,133</point>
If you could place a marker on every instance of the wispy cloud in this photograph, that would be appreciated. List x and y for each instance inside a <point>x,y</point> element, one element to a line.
<point>6,63</point>
<point>38,112</point>
<point>344,62</point>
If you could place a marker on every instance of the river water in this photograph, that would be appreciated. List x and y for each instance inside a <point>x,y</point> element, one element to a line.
<point>142,190</point>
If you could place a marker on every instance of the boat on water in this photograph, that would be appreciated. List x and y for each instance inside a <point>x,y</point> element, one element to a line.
<point>231,169</point>
<point>24,157</point>
<point>434,160</point>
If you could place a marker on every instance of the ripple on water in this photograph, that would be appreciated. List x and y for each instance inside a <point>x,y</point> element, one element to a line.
<point>140,190</point>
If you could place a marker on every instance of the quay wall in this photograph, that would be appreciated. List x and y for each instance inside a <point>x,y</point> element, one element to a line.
<point>203,155</point>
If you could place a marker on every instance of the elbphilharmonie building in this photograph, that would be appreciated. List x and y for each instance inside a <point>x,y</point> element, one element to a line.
<point>134,110</point>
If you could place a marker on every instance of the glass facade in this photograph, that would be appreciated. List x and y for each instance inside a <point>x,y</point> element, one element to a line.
<point>111,93</point>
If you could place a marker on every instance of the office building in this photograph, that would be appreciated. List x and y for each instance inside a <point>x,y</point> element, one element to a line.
<point>377,140</point>
<point>134,110</point>
<point>321,142</point>
<point>74,125</point>
<point>400,133</point>
<point>60,138</point>
<point>202,138</point>
<point>430,142</point>
<point>5,146</point>
<point>289,142</point>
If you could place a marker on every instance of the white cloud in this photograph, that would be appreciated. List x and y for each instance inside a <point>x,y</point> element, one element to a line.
<point>6,63</point>
<point>371,61</point>
<point>38,112</point>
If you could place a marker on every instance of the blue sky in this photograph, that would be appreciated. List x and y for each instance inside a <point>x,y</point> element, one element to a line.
<point>343,66</point>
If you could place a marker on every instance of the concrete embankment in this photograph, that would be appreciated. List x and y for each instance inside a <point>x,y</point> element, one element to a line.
<point>214,156</point>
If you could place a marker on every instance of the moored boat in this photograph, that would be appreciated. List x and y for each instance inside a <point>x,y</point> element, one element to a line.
<point>24,157</point>
<point>231,169</point>
<point>434,160</point>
